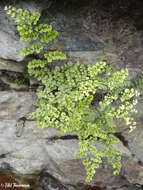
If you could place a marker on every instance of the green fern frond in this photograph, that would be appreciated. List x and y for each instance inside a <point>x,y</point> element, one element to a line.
<point>47,37</point>
<point>31,49</point>
<point>53,56</point>
<point>43,28</point>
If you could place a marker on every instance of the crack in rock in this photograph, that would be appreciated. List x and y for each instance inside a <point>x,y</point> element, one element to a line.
<point>65,137</point>
<point>122,139</point>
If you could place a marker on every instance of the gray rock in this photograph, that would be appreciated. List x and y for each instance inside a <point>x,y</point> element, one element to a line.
<point>80,45</point>
<point>31,127</point>
<point>10,46</point>
<point>29,149</point>
<point>32,6</point>
<point>32,149</point>
<point>13,85</point>
<point>35,150</point>
<point>133,171</point>
<point>135,137</point>
<point>85,57</point>
<point>131,187</point>
<point>11,66</point>
<point>70,41</point>
<point>14,105</point>
<point>50,183</point>
<point>30,153</point>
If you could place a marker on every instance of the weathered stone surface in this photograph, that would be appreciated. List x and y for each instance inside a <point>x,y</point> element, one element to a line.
<point>84,49</point>
<point>33,149</point>
<point>85,57</point>
<point>49,183</point>
<point>96,36</point>
<point>33,5</point>
<point>45,133</point>
<point>11,66</point>
<point>13,85</point>
<point>134,138</point>
<point>84,38</point>
<point>70,41</point>
<point>10,46</point>
<point>131,187</point>
<point>132,171</point>
<point>14,105</point>
<point>132,168</point>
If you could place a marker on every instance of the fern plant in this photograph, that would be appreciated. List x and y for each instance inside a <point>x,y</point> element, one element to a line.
<point>67,104</point>
<point>85,99</point>
<point>37,35</point>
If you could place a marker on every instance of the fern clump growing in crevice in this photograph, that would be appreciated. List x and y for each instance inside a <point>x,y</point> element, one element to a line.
<point>66,102</point>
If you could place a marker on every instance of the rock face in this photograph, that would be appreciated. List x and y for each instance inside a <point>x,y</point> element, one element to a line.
<point>134,139</point>
<point>10,45</point>
<point>11,66</point>
<point>28,149</point>
<point>15,105</point>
